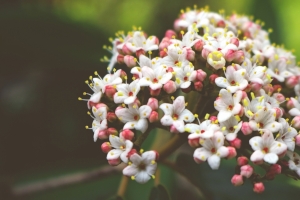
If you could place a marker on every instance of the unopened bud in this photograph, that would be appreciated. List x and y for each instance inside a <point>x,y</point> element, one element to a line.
<point>153,117</point>
<point>111,116</point>
<point>120,58</point>
<point>153,103</point>
<point>170,87</point>
<point>194,142</point>
<point>110,91</point>
<point>127,134</point>
<point>242,160</point>
<point>246,171</point>
<point>231,152</point>
<point>106,147</point>
<point>236,143</point>
<point>112,131</point>
<point>292,81</point>
<point>114,162</point>
<point>200,75</point>
<point>140,52</point>
<point>258,187</point>
<point>130,61</point>
<point>237,180</point>
<point>170,34</point>
<point>212,78</point>
<point>246,129</point>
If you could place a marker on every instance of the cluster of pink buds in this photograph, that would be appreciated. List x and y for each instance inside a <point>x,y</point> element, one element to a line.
<point>216,81</point>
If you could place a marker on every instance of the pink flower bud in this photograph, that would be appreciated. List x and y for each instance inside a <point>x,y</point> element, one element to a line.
<point>153,103</point>
<point>205,53</point>
<point>173,129</point>
<point>246,129</point>
<point>246,171</point>
<point>258,187</point>
<point>255,86</point>
<point>275,169</point>
<point>111,116</point>
<point>170,87</point>
<point>127,134</point>
<point>123,74</point>
<point>102,135</point>
<point>236,143</point>
<point>126,50</point>
<point>155,92</point>
<point>242,160</point>
<point>170,34</point>
<point>190,54</point>
<point>120,58</point>
<point>164,43</point>
<point>290,104</point>
<point>136,76</point>
<point>235,41</point>
<point>279,97</point>
<point>119,107</point>
<point>231,152</point>
<point>199,45</point>
<point>297,139</point>
<point>100,105</point>
<point>212,78</point>
<point>130,61</point>
<point>153,117</point>
<point>239,56</point>
<point>131,152</point>
<point>140,52</point>
<point>106,147</point>
<point>194,142</point>
<point>170,69</point>
<point>237,180</point>
<point>296,122</point>
<point>200,75</point>
<point>112,131</point>
<point>221,24</point>
<point>230,55</point>
<point>269,88</point>
<point>213,118</point>
<point>279,112</point>
<point>292,81</point>
<point>198,86</point>
<point>114,162</point>
<point>110,91</point>
<point>163,53</point>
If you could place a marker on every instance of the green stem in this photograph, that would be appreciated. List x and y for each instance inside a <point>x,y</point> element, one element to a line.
<point>123,186</point>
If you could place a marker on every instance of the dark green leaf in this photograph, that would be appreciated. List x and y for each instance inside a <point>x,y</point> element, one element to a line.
<point>159,193</point>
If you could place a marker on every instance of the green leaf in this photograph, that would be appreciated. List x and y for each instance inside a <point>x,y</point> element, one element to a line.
<point>115,197</point>
<point>159,193</point>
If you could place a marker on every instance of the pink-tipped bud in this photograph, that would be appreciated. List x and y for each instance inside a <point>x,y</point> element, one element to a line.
<point>246,129</point>
<point>255,86</point>
<point>190,54</point>
<point>277,88</point>
<point>269,88</point>
<point>194,142</point>
<point>163,53</point>
<point>297,139</point>
<point>246,171</point>
<point>153,117</point>
<point>102,135</point>
<point>112,131</point>
<point>123,75</point>
<point>118,108</point>
<point>170,34</point>
<point>205,53</point>
<point>279,113</point>
<point>198,86</point>
<point>173,129</point>
<point>200,75</point>
<point>106,147</point>
<point>126,50</point>
<point>258,187</point>
<point>279,97</point>
<point>100,105</point>
<point>170,69</point>
<point>170,87</point>
<point>242,160</point>
<point>120,59</point>
<point>140,52</point>
<point>164,43</point>
<point>199,45</point>
<point>114,162</point>
<point>296,122</point>
<point>221,24</point>
<point>131,152</point>
<point>213,118</point>
<point>110,91</point>
<point>235,41</point>
<point>212,78</point>
<point>239,56</point>
<point>130,61</point>
<point>290,103</point>
<point>236,143</point>
<point>127,134</point>
<point>111,116</point>
<point>231,152</point>
<point>275,169</point>
<point>136,102</point>
<point>292,81</point>
<point>154,92</point>
<point>230,55</point>
<point>153,103</point>
<point>237,180</point>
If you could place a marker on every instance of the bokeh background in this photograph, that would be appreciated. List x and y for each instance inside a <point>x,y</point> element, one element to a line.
<point>49,48</point>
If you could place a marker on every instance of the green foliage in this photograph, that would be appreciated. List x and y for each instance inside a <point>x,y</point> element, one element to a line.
<point>159,193</point>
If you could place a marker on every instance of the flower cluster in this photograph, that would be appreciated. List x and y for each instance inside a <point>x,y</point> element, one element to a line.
<point>243,92</point>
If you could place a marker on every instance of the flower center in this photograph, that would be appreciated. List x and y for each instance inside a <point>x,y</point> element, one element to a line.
<point>260,125</point>
<point>231,129</point>
<point>265,149</point>
<point>130,94</point>
<point>142,166</point>
<point>175,117</point>
<point>232,83</point>
<point>213,150</point>
<point>219,49</point>
<point>136,117</point>
<point>230,107</point>
<point>185,78</point>
<point>155,80</point>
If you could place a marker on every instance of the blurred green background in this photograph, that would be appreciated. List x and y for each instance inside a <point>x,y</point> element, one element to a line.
<point>49,48</point>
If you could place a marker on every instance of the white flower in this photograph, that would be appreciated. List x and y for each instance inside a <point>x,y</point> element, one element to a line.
<point>230,128</point>
<point>204,130</point>
<point>185,75</point>
<point>122,148</point>
<point>176,56</point>
<point>264,119</point>
<point>216,60</point>
<point>139,41</point>
<point>176,114</point>
<point>134,117</point>
<point>228,105</point>
<point>100,121</point>
<point>127,92</point>
<point>296,110</point>
<point>142,167</point>
<point>286,134</point>
<point>277,68</point>
<point>212,150</point>
<point>266,148</point>
<point>154,78</point>
<point>294,162</point>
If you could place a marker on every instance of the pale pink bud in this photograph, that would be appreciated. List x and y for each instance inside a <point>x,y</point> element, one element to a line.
<point>198,86</point>
<point>112,131</point>
<point>131,152</point>
<point>229,55</point>
<point>164,43</point>
<point>255,86</point>
<point>170,34</point>
<point>235,41</point>
<point>237,180</point>
<point>239,56</point>
<point>173,129</point>
<point>292,81</point>
<point>258,187</point>
<point>200,75</point>
<point>153,117</point>
<point>106,147</point>
<point>114,162</point>
<point>279,97</point>
<point>246,129</point>
<point>241,113</point>
<point>296,123</point>
<point>297,140</point>
<point>269,88</point>
<point>100,105</point>
<point>110,91</point>
<point>279,113</point>
<point>190,54</point>
<point>244,95</point>
<point>163,53</point>
<point>155,92</point>
<point>236,143</point>
<point>205,53</point>
<point>126,50</point>
<point>170,69</point>
<point>212,78</point>
<point>102,135</point>
<point>136,102</point>
<point>277,88</point>
<point>127,134</point>
<point>290,104</point>
<point>170,87</point>
<point>246,171</point>
<point>276,169</point>
<point>130,61</point>
<point>111,116</point>
<point>153,103</point>
<point>194,142</point>
<point>123,74</point>
<point>199,45</point>
<point>221,24</point>
<point>120,58</point>
<point>140,52</point>
<point>231,152</point>
<point>213,118</point>
<point>242,160</point>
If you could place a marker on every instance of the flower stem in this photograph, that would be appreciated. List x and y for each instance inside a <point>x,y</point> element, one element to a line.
<point>123,186</point>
